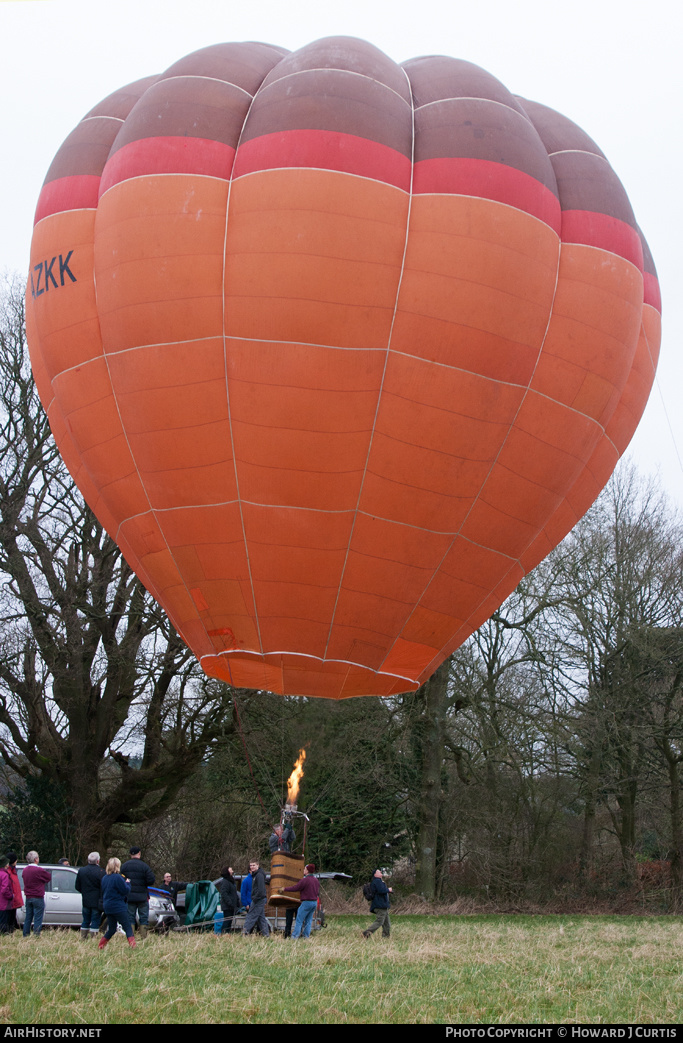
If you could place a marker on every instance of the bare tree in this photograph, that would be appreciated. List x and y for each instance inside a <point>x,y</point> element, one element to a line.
<point>90,669</point>
<point>506,744</point>
<point>621,579</point>
<point>657,657</point>
<point>433,703</point>
<point>464,722</point>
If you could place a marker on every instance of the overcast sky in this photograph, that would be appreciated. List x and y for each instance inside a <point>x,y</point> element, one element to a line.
<point>612,66</point>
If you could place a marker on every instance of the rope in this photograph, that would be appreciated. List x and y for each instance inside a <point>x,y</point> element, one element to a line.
<point>190,926</point>
<point>246,753</point>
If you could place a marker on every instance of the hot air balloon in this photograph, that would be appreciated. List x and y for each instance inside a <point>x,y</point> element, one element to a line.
<point>336,349</point>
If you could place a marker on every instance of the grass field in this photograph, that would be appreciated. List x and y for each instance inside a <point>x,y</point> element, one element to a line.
<point>543,969</point>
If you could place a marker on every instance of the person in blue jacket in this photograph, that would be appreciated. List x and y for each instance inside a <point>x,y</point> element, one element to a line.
<point>115,891</point>
<point>245,891</point>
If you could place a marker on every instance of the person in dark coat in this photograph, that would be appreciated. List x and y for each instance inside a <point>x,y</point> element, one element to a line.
<point>256,917</point>
<point>229,900</point>
<point>115,892</point>
<point>88,881</point>
<point>380,904</point>
<point>141,878</point>
<point>281,839</point>
<point>173,886</point>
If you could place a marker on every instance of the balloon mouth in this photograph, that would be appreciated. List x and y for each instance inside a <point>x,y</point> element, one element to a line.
<point>290,673</point>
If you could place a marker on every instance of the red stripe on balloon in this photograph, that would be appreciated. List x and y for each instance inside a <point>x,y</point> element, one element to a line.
<point>485,179</point>
<point>168,155</point>
<point>76,192</point>
<point>605,232</point>
<point>651,292</point>
<point>327,150</point>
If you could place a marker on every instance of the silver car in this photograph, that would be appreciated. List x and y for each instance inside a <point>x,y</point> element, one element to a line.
<point>64,906</point>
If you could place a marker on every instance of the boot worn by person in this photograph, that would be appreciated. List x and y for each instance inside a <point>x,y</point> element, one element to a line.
<point>103,942</point>
<point>132,942</point>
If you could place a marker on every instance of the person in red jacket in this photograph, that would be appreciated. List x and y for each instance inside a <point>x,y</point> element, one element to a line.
<point>309,888</point>
<point>35,880</point>
<point>18,897</point>
<point>6,896</point>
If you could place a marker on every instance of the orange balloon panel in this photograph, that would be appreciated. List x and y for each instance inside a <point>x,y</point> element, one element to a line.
<point>336,349</point>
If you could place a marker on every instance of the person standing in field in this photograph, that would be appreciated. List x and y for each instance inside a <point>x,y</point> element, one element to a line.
<point>115,891</point>
<point>256,917</point>
<point>174,886</point>
<point>88,881</point>
<point>35,880</point>
<point>141,878</point>
<point>245,891</point>
<point>309,889</point>
<point>6,897</point>
<point>229,901</point>
<point>380,904</point>
<point>18,897</point>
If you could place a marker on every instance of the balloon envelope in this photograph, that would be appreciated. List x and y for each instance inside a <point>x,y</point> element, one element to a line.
<point>336,349</point>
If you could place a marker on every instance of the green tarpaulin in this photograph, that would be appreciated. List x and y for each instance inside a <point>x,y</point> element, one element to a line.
<point>201,902</point>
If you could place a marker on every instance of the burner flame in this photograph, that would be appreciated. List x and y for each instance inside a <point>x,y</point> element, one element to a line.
<point>294,780</point>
